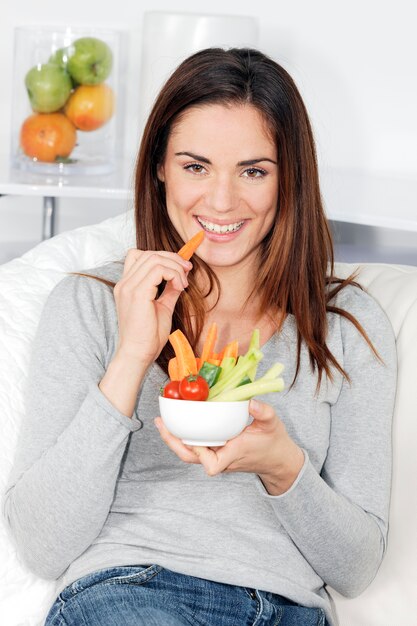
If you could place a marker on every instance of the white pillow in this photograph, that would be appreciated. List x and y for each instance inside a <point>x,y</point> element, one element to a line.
<point>391,599</point>
<point>25,284</point>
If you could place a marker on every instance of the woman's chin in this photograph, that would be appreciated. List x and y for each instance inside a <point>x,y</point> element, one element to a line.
<point>223,260</point>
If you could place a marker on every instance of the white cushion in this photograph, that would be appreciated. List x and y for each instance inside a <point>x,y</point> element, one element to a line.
<point>391,599</point>
<point>24,286</point>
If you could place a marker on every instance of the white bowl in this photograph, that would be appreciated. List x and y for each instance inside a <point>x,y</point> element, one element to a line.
<point>204,423</point>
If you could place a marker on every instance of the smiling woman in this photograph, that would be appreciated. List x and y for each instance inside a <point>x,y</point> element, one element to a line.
<point>140,528</point>
<point>222,192</point>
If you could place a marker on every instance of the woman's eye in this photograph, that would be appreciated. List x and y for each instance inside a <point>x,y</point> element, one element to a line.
<point>194,167</point>
<point>254,172</point>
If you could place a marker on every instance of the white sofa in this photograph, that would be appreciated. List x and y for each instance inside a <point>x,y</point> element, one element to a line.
<point>391,600</point>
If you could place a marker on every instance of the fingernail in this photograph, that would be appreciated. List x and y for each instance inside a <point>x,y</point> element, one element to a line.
<point>254,405</point>
<point>157,424</point>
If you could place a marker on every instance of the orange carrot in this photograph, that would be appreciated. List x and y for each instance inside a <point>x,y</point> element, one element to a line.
<point>219,355</point>
<point>184,353</point>
<point>188,249</point>
<point>231,349</point>
<point>214,361</point>
<point>173,369</point>
<point>199,363</point>
<point>209,343</point>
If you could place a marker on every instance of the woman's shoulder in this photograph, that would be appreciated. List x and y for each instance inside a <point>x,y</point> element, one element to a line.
<point>365,309</point>
<point>80,296</point>
<point>355,299</point>
<point>89,282</point>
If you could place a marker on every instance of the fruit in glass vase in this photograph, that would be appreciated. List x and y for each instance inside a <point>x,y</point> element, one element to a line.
<point>90,106</point>
<point>48,87</point>
<point>60,57</point>
<point>90,61</point>
<point>48,137</point>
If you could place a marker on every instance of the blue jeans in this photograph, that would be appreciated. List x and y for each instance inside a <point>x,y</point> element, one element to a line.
<point>153,596</point>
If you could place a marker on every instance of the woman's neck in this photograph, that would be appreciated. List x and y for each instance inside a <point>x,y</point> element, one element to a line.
<point>238,310</point>
<point>237,295</point>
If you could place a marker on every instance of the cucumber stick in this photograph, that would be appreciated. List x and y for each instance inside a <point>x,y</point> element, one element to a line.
<point>236,380</point>
<point>226,366</point>
<point>233,378</point>
<point>210,373</point>
<point>254,345</point>
<point>246,392</point>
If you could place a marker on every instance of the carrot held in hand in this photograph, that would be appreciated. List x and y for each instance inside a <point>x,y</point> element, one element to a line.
<point>186,361</point>
<point>188,249</point>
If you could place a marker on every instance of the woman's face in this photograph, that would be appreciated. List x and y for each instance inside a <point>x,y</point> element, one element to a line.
<point>220,174</point>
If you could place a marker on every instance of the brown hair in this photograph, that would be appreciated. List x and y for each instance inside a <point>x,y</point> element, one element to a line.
<point>296,273</point>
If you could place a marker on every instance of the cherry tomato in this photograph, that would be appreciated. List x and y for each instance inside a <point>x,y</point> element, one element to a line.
<point>194,388</point>
<point>171,390</point>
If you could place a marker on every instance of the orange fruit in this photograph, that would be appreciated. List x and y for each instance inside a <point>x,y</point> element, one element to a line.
<point>47,136</point>
<point>90,106</point>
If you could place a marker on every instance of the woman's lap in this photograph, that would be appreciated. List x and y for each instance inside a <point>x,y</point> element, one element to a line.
<point>153,596</point>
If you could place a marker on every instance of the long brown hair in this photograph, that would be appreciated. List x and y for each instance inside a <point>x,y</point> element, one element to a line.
<point>296,274</point>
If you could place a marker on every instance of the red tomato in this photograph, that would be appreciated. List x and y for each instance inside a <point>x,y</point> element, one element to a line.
<point>194,388</point>
<point>171,390</point>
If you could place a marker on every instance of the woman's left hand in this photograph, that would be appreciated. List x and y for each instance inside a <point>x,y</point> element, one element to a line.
<point>264,448</point>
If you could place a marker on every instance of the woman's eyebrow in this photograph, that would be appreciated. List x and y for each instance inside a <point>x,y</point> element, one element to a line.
<point>254,161</point>
<point>198,157</point>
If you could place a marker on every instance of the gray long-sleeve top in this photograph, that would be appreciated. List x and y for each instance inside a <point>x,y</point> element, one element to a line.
<point>92,488</point>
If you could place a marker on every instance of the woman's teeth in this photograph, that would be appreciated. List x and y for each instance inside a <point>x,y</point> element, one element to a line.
<point>216,228</point>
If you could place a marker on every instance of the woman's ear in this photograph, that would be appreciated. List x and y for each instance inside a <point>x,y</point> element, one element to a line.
<point>160,173</point>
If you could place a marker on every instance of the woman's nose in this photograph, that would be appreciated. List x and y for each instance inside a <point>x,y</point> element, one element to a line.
<point>222,196</point>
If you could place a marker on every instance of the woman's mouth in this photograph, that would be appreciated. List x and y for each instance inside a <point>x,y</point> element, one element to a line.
<point>220,229</point>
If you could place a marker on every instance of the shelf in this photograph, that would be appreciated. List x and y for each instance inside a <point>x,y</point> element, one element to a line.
<point>117,185</point>
<point>360,197</point>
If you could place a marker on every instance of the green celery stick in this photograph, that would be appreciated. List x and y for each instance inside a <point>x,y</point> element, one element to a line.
<point>253,345</point>
<point>255,340</point>
<point>245,381</point>
<point>246,392</point>
<point>227,364</point>
<point>231,380</point>
<point>273,371</point>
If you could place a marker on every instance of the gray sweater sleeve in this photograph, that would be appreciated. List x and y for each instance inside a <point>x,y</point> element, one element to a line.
<point>54,512</point>
<point>338,518</point>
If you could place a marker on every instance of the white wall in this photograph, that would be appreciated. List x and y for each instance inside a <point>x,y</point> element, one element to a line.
<point>354,63</point>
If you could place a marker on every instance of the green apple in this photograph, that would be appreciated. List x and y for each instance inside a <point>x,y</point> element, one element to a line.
<point>60,57</point>
<point>48,87</point>
<point>90,61</point>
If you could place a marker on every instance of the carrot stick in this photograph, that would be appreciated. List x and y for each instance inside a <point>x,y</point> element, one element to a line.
<point>173,369</point>
<point>219,355</point>
<point>188,249</point>
<point>214,361</point>
<point>231,349</point>
<point>184,353</point>
<point>209,343</point>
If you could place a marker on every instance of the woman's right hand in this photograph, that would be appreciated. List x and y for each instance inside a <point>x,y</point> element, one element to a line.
<point>144,322</point>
